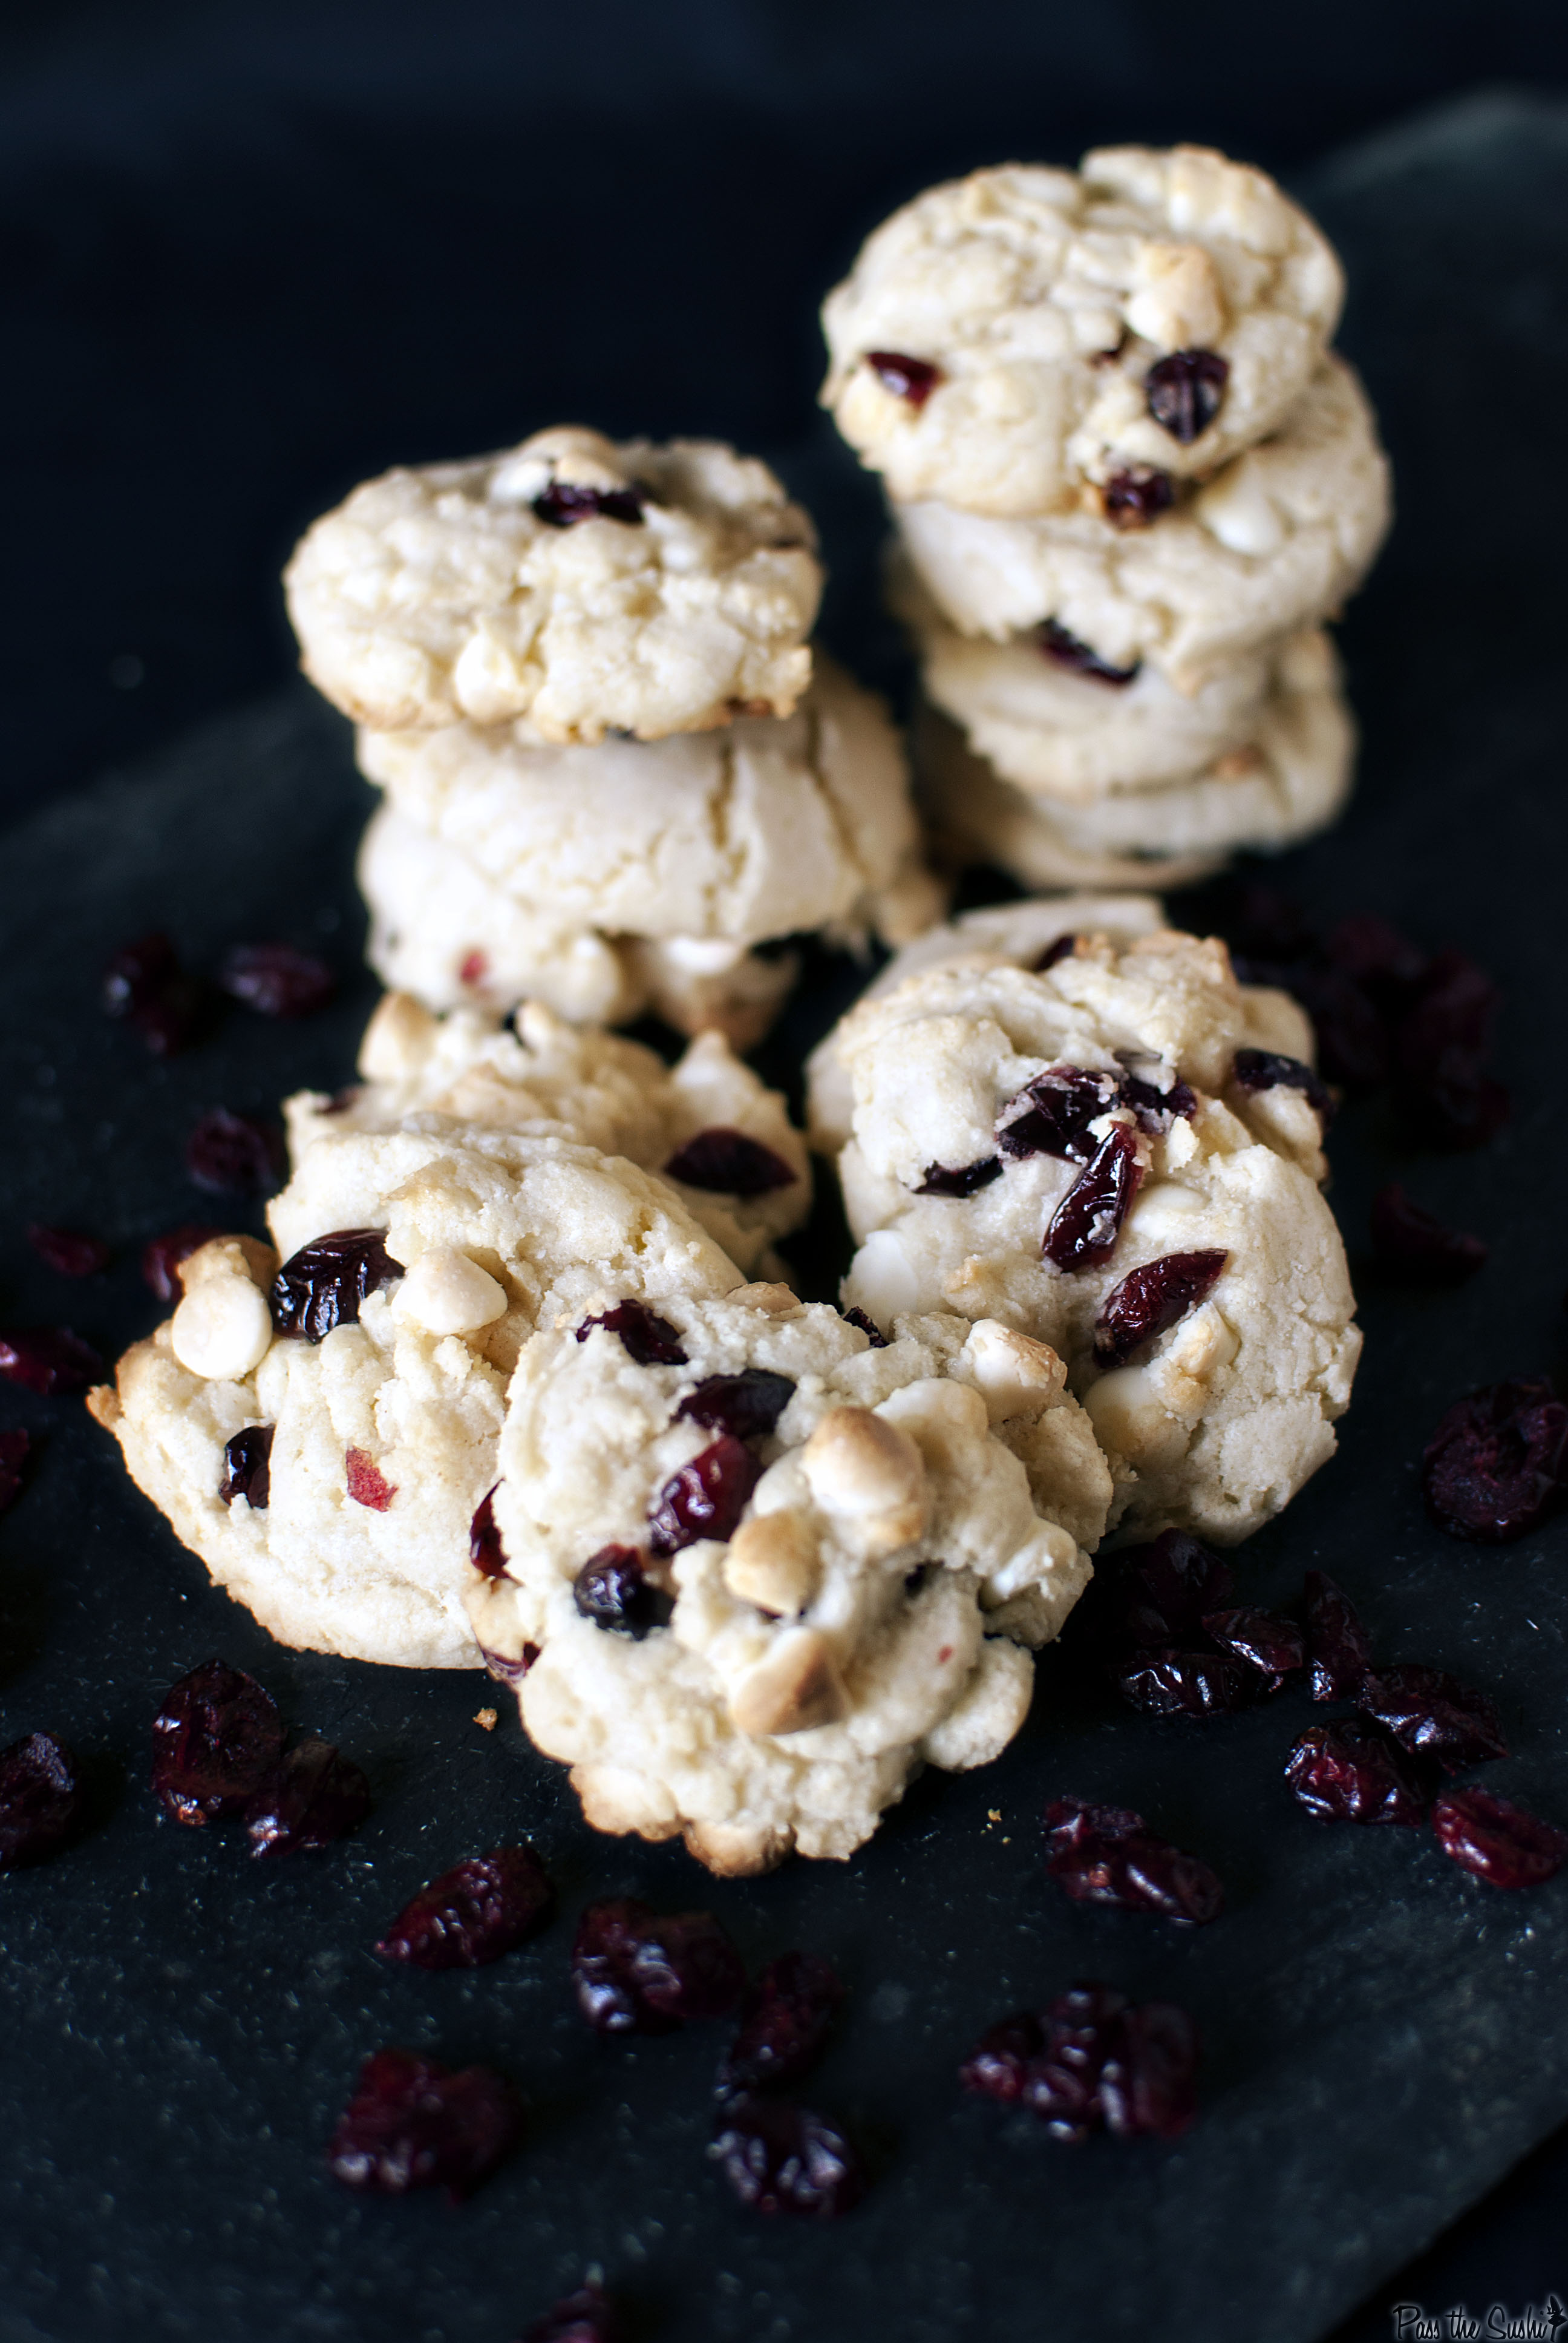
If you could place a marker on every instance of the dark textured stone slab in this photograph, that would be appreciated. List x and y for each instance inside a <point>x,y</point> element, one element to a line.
<point>181,2027</point>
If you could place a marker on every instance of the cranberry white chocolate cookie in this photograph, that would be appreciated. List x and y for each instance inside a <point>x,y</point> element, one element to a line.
<point>751,1566</point>
<point>1026,338</point>
<point>1097,1154</point>
<point>319,1422</point>
<point>721,1139</point>
<point>589,586</point>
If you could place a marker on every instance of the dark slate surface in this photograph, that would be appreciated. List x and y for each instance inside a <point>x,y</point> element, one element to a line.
<point>182,2027</point>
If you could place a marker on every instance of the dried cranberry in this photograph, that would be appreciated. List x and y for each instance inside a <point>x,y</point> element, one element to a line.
<point>1275,1646</point>
<point>14,1448</point>
<point>317,1795</point>
<point>365,1482</point>
<point>1184,392</point>
<point>1067,650</point>
<point>473,969</point>
<point>1192,1684</point>
<point>563,504</point>
<point>1440,1048</point>
<point>216,1741</point>
<point>69,1251</point>
<point>1338,1645</point>
<point>1165,1588</point>
<point>638,1971</point>
<point>248,1467</point>
<point>508,1671</point>
<point>484,1906</point>
<point>616,1593</point>
<point>235,1154</point>
<point>706,1498</point>
<point>1456,1106</point>
<point>1350,1773</point>
<point>1413,1244</point>
<point>783,2159</point>
<point>485,1550</point>
<point>911,379</point>
<point>1351,1036</point>
<point>998,2067</point>
<point>50,1360</point>
<point>855,1316</point>
<point>650,1341</point>
<point>277,979</point>
<point>1085,1225</point>
<point>1149,1300</point>
<point>1107,1854</point>
<point>161,1256</point>
<point>1380,957</point>
<point>728,1163</point>
<point>747,1404</point>
<point>785,2021</point>
<point>1062,949</point>
<point>1093,2058</point>
<point>1497,1463</point>
<point>41,1800</point>
<point>1062,1104</point>
<point>1083,2029</point>
<point>1267,1070</point>
<point>326,1283</point>
<point>1148,2084</point>
<point>1155,1111</point>
<point>414,2123</point>
<point>1135,497</point>
<point>962,1180</point>
<point>1496,1840</point>
<point>1432,1714</point>
<point>144,983</point>
<point>586,2316</point>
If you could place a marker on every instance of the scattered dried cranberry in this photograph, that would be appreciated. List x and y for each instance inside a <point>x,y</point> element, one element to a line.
<point>14,1448</point>
<point>485,1550</point>
<point>41,1800</point>
<point>1165,1588</point>
<point>1414,1244</point>
<point>650,1341</point>
<point>1152,1299</point>
<point>586,2316</point>
<point>1350,1773</point>
<point>1080,2030</point>
<point>1432,1714</point>
<point>277,979</point>
<point>785,2021</point>
<point>69,1251</point>
<point>1440,1048</point>
<point>1093,2058</point>
<point>484,1906</point>
<point>855,1316</point>
<point>50,1360</point>
<point>414,2123</point>
<point>706,1498</point>
<point>1184,392</point>
<point>1107,1854</point>
<point>1496,1840</point>
<point>235,1154</point>
<point>248,1467</point>
<point>962,1180</point>
<point>1062,1104</point>
<point>1276,1646</point>
<point>1136,498</point>
<point>747,1404</point>
<point>1192,1683</point>
<point>1267,1070</point>
<point>146,983</point>
<point>783,2159</point>
<point>1085,1225</point>
<point>161,1256</point>
<point>316,1796</point>
<point>1338,1645</point>
<point>638,1971</point>
<point>912,380</point>
<point>327,1281</point>
<point>998,2067</point>
<point>216,1741</point>
<point>1148,2086</point>
<point>1497,1463</point>
<point>728,1163</point>
<point>616,1593</point>
<point>365,1482</point>
<point>1380,957</point>
<point>563,504</point>
<point>1067,650</point>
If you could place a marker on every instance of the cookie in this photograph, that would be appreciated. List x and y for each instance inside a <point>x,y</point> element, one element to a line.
<point>1026,339</point>
<point>748,1589</point>
<point>1075,1150</point>
<point>589,586</point>
<point>323,1437</point>
<point>723,1141</point>
<point>1274,543</point>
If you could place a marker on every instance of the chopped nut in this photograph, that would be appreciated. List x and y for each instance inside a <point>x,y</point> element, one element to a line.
<point>772,1561</point>
<point>796,1688</point>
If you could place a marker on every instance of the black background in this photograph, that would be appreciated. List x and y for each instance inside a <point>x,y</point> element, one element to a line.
<point>250,257</point>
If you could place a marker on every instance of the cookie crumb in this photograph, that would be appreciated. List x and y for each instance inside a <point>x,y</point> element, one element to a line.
<point>993,1814</point>
<point>487,1717</point>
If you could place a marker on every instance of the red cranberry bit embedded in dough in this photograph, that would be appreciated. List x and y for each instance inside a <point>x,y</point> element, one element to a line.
<point>728,1163</point>
<point>1057,1109</point>
<point>248,1467</point>
<point>1351,1773</point>
<point>855,1316</point>
<point>41,1800</point>
<point>1087,1222</point>
<point>747,1404</point>
<point>485,1550</point>
<point>484,1906</point>
<point>365,1482</point>
<point>1496,1840</point>
<point>910,379</point>
<point>1268,1070</point>
<point>1068,651</point>
<point>613,1589</point>
<point>1497,1463</point>
<point>964,1180</point>
<point>783,2158</point>
<point>1150,1300</point>
<point>473,969</point>
<point>315,1795</point>
<point>412,2123</point>
<point>706,1498</point>
<point>1136,498</point>
<point>1184,392</point>
<point>217,1740</point>
<point>562,505</point>
<point>326,1283</point>
<point>650,1341</point>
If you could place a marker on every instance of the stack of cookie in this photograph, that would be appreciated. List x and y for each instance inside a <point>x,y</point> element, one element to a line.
<point>615,777</point>
<point>1130,481</point>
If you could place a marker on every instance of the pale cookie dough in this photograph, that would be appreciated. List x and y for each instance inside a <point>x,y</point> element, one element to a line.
<point>384,1433</point>
<point>582,1083</point>
<point>1274,543</point>
<point>1212,1425</point>
<point>922,1511</point>
<point>1043,297</point>
<point>448,592</point>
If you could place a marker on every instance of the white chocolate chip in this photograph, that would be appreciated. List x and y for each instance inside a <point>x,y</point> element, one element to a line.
<point>772,1561</point>
<point>398,1039</point>
<point>1014,1374</point>
<point>241,1257</point>
<point>868,1474</point>
<point>1236,508</point>
<point>222,1328</point>
<point>796,1688</point>
<point>1178,304</point>
<point>447,1293</point>
<point>703,955</point>
<point>1131,1419</point>
<point>775,1301</point>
